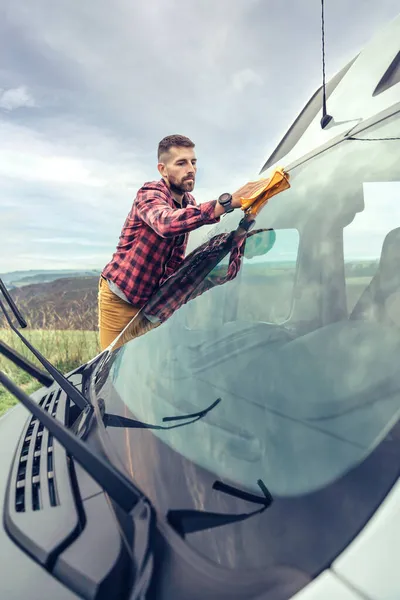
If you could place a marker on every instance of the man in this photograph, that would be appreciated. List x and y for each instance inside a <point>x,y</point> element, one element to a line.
<point>154,237</point>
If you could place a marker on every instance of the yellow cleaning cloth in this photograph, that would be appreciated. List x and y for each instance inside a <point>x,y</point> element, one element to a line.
<point>278,182</point>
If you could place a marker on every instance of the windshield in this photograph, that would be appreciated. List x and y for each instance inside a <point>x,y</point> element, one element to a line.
<point>300,341</point>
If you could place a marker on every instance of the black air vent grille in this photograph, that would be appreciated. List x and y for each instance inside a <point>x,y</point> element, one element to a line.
<point>36,455</point>
<point>40,510</point>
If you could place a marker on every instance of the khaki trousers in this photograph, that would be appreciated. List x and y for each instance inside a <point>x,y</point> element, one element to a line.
<point>114,314</point>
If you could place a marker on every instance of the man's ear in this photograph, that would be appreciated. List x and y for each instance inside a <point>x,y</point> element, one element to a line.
<point>161,169</point>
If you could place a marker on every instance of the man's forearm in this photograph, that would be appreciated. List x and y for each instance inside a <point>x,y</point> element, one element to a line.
<point>219,210</point>
<point>169,222</point>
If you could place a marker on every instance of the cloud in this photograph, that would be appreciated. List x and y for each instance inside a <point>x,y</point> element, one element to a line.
<point>15,98</point>
<point>105,91</point>
<point>243,79</point>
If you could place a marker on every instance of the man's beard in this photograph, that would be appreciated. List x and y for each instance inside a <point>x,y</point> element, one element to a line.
<point>184,186</point>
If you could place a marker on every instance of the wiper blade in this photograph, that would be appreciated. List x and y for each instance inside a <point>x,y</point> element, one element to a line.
<point>110,420</point>
<point>12,305</point>
<point>117,486</point>
<point>191,521</point>
<point>25,364</point>
<point>72,392</point>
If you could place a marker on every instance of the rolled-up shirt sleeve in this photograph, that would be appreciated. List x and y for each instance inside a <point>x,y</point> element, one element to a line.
<point>166,221</point>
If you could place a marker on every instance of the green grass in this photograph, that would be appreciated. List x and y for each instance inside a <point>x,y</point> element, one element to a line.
<point>64,349</point>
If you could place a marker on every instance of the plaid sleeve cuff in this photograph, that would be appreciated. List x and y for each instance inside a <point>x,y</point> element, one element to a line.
<point>207,212</point>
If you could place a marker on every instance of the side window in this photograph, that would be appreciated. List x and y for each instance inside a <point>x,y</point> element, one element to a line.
<point>363,241</point>
<point>267,277</point>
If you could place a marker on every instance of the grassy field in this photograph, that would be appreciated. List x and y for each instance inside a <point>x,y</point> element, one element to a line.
<point>64,349</point>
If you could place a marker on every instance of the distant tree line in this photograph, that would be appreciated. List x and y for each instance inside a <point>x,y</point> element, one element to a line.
<point>361,268</point>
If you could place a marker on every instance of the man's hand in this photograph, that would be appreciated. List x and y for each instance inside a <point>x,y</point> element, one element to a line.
<point>244,192</point>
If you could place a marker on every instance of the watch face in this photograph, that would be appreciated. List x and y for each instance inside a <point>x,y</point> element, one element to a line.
<point>224,198</point>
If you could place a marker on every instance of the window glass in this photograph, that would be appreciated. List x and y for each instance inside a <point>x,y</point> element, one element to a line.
<point>303,362</point>
<point>363,241</point>
<point>267,280</point>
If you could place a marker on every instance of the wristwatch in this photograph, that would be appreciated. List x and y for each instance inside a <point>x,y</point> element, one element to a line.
<point>225,201</point>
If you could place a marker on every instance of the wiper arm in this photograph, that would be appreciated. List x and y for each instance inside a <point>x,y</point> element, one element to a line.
<point>24,364</point>
<point>115,483</point>
<point>72,392</point>
<point>191,521</point>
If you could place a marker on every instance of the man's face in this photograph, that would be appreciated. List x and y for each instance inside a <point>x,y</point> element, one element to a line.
<point>179,168</point>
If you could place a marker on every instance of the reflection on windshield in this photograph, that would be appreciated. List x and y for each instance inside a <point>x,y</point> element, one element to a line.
<point>202,270</point>
<point>301,345</point>
<point>322,379</point>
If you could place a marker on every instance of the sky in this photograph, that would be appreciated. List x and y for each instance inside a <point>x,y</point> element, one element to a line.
<point>88,89</point>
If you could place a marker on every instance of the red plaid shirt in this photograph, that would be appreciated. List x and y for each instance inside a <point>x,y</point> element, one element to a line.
<point>153,240</point>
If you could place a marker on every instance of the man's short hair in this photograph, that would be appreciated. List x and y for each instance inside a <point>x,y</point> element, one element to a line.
<point>173,140</point>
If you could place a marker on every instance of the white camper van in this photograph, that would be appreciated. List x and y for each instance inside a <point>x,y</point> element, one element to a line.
<point>247,447</point>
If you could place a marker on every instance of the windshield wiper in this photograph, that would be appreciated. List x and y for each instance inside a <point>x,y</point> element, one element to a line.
<point>72,392</point>
<point>26,365</point>
<point>110,420</point>
<point>190,521</point>
<point>115,483</point>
